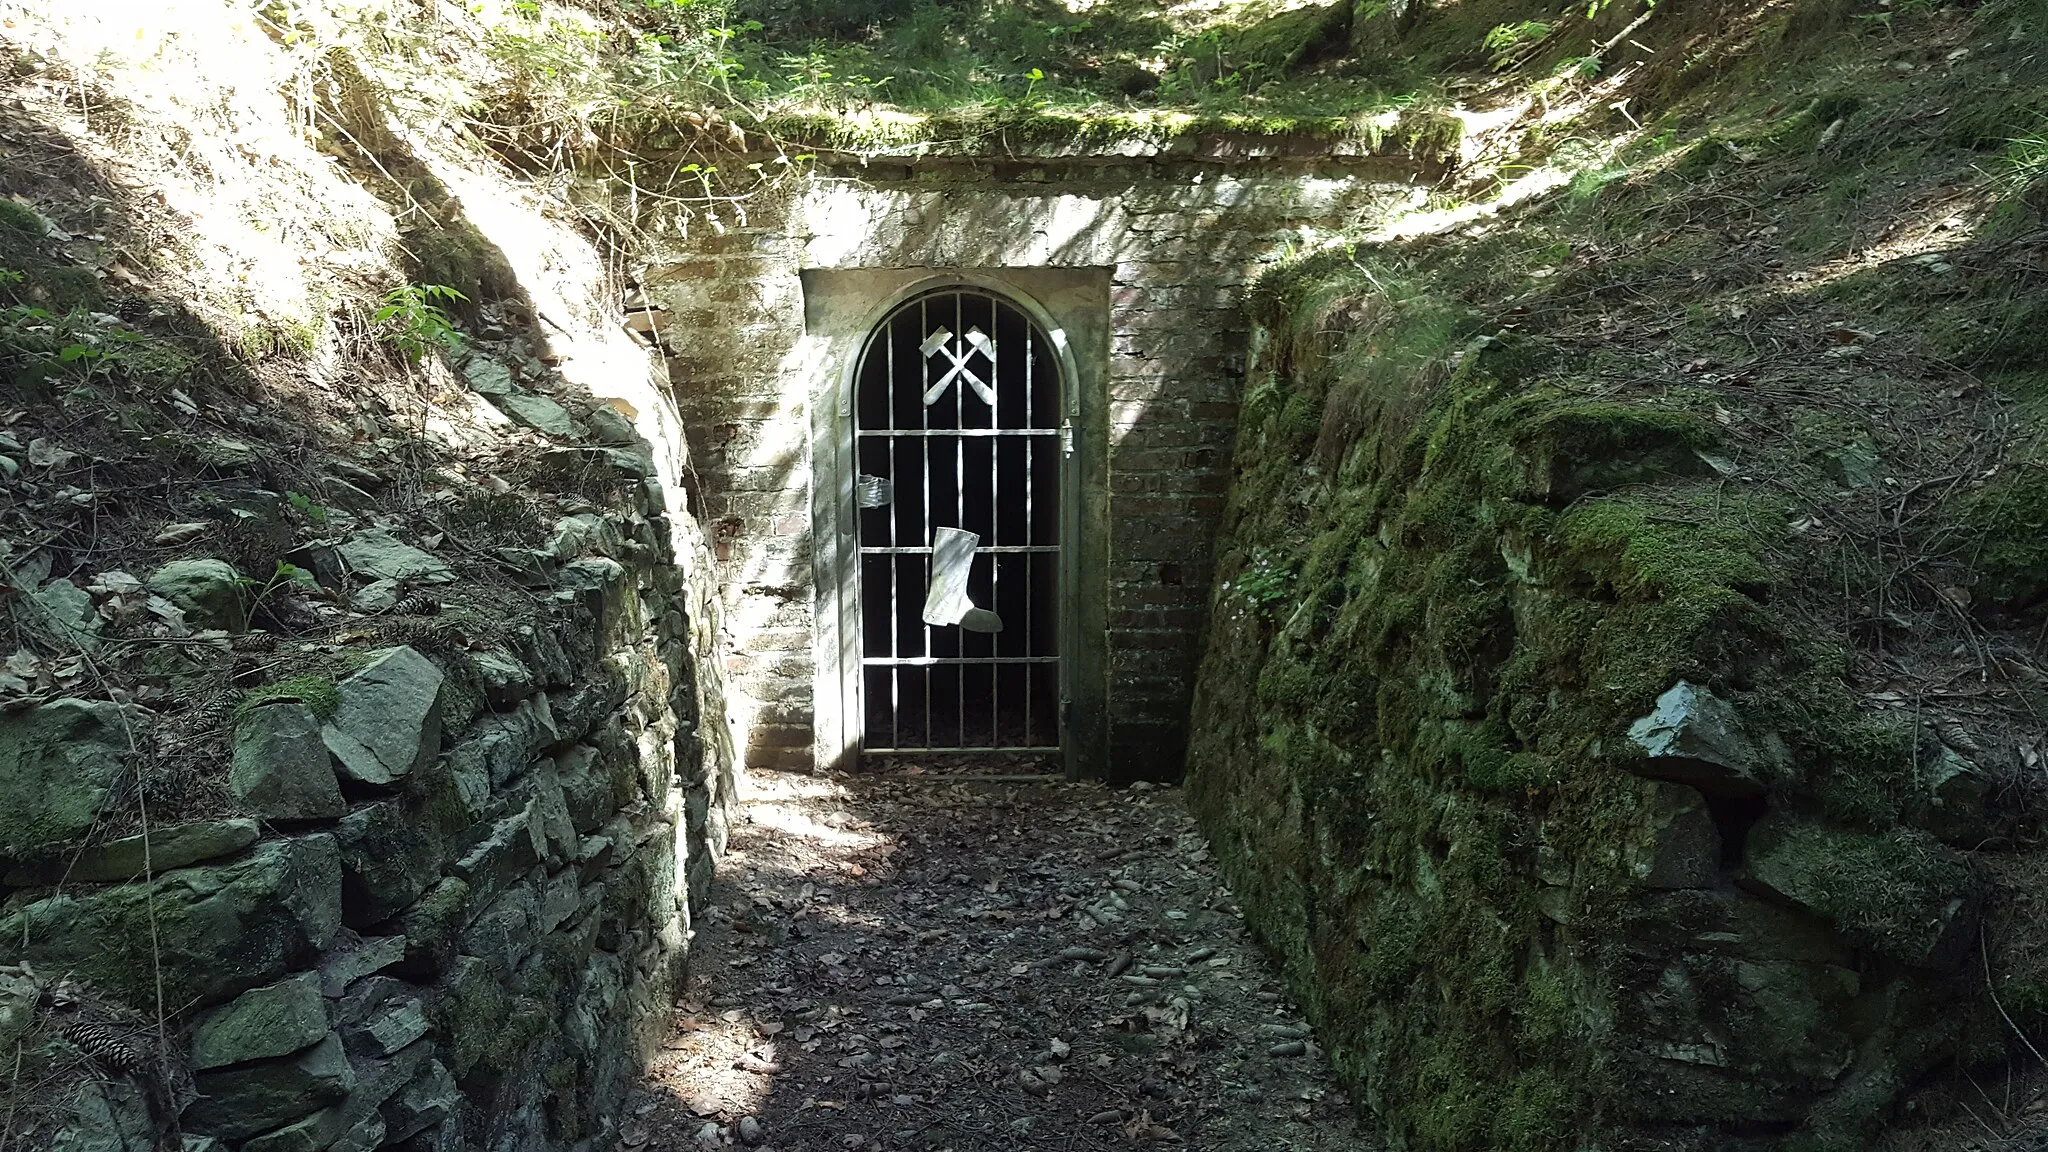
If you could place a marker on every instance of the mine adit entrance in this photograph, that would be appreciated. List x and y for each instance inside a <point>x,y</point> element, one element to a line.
<point>960,438</point>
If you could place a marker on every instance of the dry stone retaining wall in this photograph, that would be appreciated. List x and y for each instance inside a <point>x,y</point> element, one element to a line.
<point>454,902</point>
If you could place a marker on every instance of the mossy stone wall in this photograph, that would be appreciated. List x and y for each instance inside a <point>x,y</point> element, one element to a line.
<point>1451,584</point>
<point>494,937</point>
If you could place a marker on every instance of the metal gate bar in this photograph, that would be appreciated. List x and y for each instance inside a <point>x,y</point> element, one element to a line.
<point>915,669</point>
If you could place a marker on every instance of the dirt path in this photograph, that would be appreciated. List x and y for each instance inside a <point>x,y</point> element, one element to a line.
<point>916,964</point>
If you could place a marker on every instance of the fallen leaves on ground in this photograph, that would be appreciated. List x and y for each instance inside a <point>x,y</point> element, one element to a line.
<point>906,963</point>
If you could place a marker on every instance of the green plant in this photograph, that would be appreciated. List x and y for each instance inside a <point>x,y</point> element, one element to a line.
<point>285,575</point>
<point>41,344</point>
<point>411,320</point>
<point>308,511</point>
<point>2024,163</point>
<point>1509,43</point>
<point>1266,581</point>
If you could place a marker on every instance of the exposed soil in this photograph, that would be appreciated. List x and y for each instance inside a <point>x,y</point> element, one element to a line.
<point>918,964</point>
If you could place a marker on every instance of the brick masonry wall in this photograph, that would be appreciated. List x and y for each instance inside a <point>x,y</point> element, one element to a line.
<point>1178,242</point>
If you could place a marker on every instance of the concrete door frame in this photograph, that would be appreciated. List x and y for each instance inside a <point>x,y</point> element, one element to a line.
<point>842,307</point>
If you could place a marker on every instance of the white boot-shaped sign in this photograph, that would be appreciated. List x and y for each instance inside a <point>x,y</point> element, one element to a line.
<point>946,602</point>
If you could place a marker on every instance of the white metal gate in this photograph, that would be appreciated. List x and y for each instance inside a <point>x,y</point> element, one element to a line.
<point>958,447</point>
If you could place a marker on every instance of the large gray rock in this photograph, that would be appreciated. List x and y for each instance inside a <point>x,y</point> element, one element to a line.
<point>500,747</point>
<point>514,845</point>
<point>431,922</point>
<point>315,1133</point>
<point>379,555</point>
<point>1693,737</point>
<point>109,1116</point>
<point>610,426</point>
<point>537,412</point>
<point>1673,841</point>
<point>377,596</point>
<point>164,848</point>
<point>584,534</point>
<point>541,650</point>
<point>580,709</point>
<point>506,932</point>
<point>488,377</point>
<point>69,611</point>
<point>388,857</point>
<point>548,810</point>
<point>388,724</point>
<point>428,1099</point>
<point>378,1080</point>
<point>239,1102</point>
<point>396,1026</point>
<point>211,593</point>
<point>282,768</point>
<point>366,1136</point>
<point>561,896</point>
<point>591,795</point>
<point>364,957</point>
<point>1901,893</point>
<point>57,763</point>
<point>263,1023</point>
<point>215,931</point>
<point>506,680</point>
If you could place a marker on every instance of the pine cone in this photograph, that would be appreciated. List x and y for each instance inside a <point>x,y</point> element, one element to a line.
<point>417,604</point>
<point>438,635</point>
<point>108,1046</point>
<point>212,712</point>
<point>1958,737</point>
<point>256,642</point>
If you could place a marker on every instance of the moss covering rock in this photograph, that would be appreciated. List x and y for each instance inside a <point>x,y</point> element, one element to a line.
<point>1422,756</point>
<point>207,933</point>
<point>58,762</point>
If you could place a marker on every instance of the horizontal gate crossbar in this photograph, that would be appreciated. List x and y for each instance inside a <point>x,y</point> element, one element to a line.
<point>984,749</point>
<point>887,433</point>
<point>879,550</point>
<point>927,661</point>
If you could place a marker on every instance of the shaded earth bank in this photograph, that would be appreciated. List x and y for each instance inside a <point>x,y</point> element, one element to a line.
<point>926,965</point>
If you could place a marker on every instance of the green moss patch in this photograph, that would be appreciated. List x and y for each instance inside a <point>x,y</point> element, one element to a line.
<point>2009,520</point>
<point>317,693</point>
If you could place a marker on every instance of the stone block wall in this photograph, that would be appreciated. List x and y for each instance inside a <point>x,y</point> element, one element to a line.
<point>451,906</point>
<point>1176,242</point>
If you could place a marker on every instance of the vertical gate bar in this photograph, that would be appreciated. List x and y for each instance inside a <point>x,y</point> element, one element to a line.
<point>924,327</point>
<point>995,521</point>
<point>960,501</point>
<point>1030,537</point>
<point>895,566</point>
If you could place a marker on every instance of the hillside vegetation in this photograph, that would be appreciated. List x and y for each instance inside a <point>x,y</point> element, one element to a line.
<point>1709,383</point>
<point>1715,400</point>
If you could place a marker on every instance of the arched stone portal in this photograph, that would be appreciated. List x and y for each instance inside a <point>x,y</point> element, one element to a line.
<point>1134,265</point>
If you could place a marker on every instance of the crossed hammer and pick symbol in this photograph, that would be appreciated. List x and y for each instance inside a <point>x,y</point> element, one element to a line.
<point>976,341</point>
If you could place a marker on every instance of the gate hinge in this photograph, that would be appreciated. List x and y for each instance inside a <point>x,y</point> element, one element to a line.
<point>1066,439</point>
